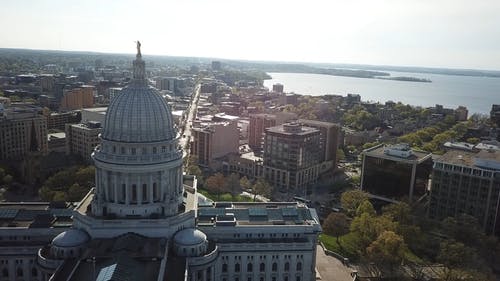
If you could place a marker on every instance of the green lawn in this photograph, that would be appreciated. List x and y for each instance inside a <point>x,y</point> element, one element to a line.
<point>226,197</point>
<point>349,242</point>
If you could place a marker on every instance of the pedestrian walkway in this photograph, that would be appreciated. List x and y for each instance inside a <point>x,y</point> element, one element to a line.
<point>330,268</point>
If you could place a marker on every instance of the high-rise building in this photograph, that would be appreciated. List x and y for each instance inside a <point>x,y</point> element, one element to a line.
<point>329,138</point>
<point>495,114</point>
<point>23,129</point>
<point>278,88</point>
<point>58,120</point>
<point>212,140</point>
<point>78,98</point>
<point>258,124</point>
<point>395,172</point>
<point>47,82</point>
<point>461,113</point>
<point>291,157</point>
<point>467,183</point>
<point>81,139</point>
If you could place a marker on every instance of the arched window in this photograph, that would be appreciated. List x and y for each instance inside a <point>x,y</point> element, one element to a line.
<point>237,267</point>
<point>287,266</point>
<point>249,267</point>
<point>224,267</point>
<point>262,267</point>
<point>299,266</point>
<point>19,272</point>
<point>275,266</point>
<point>5,272</point>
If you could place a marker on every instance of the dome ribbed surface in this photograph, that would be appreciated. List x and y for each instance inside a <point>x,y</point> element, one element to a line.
<point>138,114</point>
<point>70,238</point>
<point>189,237</point>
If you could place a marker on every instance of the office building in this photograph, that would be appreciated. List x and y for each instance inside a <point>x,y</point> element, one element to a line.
<point>258,124</point>
<point>467,183</point>
<point>78,98</point>
<point>23,130</point>
<point>329,137</point>
<point>58,120</point>
<point>278,88</point>
<point>97,114</point>
<point>212,140</point>
<point>395,172</point>
<point>291,157</point>
<point>81,139</point>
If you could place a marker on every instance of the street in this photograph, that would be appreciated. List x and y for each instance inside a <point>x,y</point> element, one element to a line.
<point>185,134</point>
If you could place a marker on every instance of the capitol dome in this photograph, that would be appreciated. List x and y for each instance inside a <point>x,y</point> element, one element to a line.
<point>139,113</point>
<point>70,238</point>
<point>139,161</point>
<point>189,237</point>
<point>190,242</point>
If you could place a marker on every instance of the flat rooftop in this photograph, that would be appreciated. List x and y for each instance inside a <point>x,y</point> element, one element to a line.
<point>96,109</point>
<point>274,213</point>
<point>378,152</point>
<point>35,214</point>
<point>466,158</point>
<point>282,129</point>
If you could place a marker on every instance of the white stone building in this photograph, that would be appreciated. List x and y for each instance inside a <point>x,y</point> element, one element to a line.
<point>142,220</point>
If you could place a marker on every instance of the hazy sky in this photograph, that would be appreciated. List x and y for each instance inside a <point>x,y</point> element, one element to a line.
<point>436,33</point>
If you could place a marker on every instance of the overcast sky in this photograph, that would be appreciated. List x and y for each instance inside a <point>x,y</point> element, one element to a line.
<point>434,33</point>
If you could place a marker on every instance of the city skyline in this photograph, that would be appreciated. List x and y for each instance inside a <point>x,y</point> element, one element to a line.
<point>451,34</point>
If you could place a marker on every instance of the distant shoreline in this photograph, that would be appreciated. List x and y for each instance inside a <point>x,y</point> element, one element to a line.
<point>356,74</point>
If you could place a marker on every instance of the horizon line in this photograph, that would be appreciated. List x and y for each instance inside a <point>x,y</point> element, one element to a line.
<point>256,60</point>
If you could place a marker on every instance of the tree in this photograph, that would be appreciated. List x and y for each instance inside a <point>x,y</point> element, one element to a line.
<point>452,254</point>
<point>400,212</point>
<point>58,186</point>
<point>192,168</point>
<point>76,192</point>
<point>216,184</point>
<point>340,155</point>
<point>368,227</point>
<point>388,250</point>
<point>262,188</point>
<point>233,184</point>
<point>366,207</point>
<point>336,224</point>
<point>351,200</point>
<point>245,183</point>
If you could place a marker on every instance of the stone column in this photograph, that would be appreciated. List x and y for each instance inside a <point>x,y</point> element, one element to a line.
<point>104,182</point>
<point>127,192</point>
<point>115,186</point>
<point>138,179</point>
<point>150,186</point>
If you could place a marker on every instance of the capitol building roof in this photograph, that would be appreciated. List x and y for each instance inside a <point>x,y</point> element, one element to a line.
<point>139,113</point>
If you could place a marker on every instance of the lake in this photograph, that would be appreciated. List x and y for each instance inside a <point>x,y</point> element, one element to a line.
<point>476,93</point>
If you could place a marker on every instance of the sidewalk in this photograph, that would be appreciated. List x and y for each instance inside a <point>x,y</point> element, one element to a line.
<point>330,268</point>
